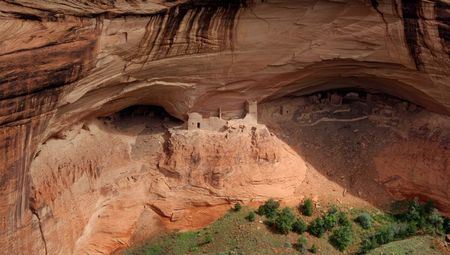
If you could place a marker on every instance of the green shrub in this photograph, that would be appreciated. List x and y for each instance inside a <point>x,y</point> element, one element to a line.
<point>385,235</point>
<point>446,226</point>
<point>382,236</point>
<point>284,221</point>
<point>436,221</point>
<point>316,227</point>
<point>403,229</point>
<point>368,244</point>
<point>424,216</point>
<point>343,219</point>
<point>307,207</point>
<point>299,226</point>
<point>395,231</point>
<point>251,217</point>
<point>365,220</point>
<point>330,220</point>
<point>237,207</point>
<point>269,222</point>
<point>269,208</point>
<point>414,213</point>
<point>342,238</point>
<point>313,249</point>
<point>301,244</point>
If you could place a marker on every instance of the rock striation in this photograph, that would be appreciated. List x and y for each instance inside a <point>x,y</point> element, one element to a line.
<point>100,192</point>
<point>65,62</point>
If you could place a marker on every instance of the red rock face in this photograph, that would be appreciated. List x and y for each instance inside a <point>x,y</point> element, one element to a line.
<point>61,64</point>
<point>106,178</point>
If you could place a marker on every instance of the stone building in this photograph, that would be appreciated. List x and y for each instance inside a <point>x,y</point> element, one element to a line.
<point>251,109</point>
<point>195,121</point>
<point>335,99</point>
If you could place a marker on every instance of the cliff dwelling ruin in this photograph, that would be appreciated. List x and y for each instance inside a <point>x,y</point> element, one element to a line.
<point>197,121</point>
<point>122,120</point>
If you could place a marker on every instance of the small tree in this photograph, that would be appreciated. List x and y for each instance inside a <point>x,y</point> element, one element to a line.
<point>382,236</point>
<point>342,238</point>
<point>251,216</point>
<point>237,207</point>
<point>385,235</point>
<point>316,227</point>
<point>308,207</point>
<point>403,229</point>
<point>365,220</point>
<point>284,221</point>
<point>269,208</point>
<point>435,221</point>
<point>343,219</point>
<point>368,244</point>
<point>330,220</point>
<point>301,244</point>
<point>299,226</point>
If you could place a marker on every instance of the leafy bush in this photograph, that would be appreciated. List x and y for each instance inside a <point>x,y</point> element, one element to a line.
<point>416,218</point>
<point>368,244</point>
<point>237,207</point>
<point>284,221</point>
<point>446,226</point>
<point>435,221</point>
<point>403,230</point>
<point>301,244</point>
<point>342,238</point>
<point>365,220</point>
<point>382,236</point>
<point>390,233</point>
<point>343,219</point>
<point>385,235</point>
<point>424,216</point>
<point>316,227</point>
<point>414,213</point>
<point>269,208</point>
<point>330,220</point>
<point>299,226</point>
<point>313,249</point>
<point>251,216</point>
<point>307,207</point>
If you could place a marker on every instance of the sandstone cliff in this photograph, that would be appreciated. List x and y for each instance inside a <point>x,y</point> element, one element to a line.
<point>66,62</point>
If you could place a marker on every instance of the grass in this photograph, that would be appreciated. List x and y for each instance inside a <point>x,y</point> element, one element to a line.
<point>234,234</point>
<point>418,245</point>
<point>231,234</point>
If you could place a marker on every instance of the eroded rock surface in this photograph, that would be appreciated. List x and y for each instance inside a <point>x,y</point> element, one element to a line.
<point>63,62</point>
<point>100,179</point>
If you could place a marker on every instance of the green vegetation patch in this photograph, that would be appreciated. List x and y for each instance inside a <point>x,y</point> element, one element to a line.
<point>308,207</point>
<point>418,245</point>
<point>269,209</point>
<point>413,229</point>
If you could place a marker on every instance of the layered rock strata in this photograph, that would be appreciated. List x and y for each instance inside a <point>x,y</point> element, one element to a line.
<point>62,62</point>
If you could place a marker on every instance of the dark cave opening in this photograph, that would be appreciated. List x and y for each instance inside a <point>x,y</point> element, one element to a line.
<point>142,113</point>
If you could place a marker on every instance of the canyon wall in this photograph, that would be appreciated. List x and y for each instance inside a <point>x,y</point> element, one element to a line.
<point>63,62</point>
